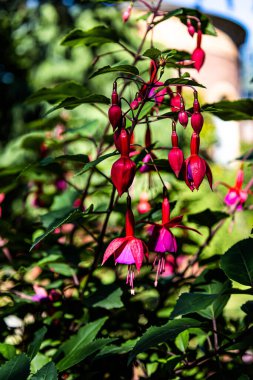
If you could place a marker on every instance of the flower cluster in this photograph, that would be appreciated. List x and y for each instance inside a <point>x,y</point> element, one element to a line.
<point>130,250</point>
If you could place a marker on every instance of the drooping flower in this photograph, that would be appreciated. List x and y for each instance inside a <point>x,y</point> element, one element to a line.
<point>123,170</point>
<point>190,28</point>
<point>127,13</point>
<point>195,167</point>
<point>162,239</point>
<point>150,90</point>
<point>198,55</point>
<point>115,112</point>
<point>236,195</point>
<point>128,250</point>
<point>175,156</point>
<point>197,119</point>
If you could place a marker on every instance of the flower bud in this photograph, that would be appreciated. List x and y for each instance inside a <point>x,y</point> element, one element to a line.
<point>197,122</point>
<point>145,168</point>
<point>144,205</point>
<point>126,14</point>
<point>198,56</point>
<point>182,116</point>
<point>176,159</point>
<point>122,174</point>
<point>190,28</point>
<point>115,112</point>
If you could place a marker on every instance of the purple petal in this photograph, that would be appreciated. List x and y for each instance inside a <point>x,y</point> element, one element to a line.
<point>231,198</point>
<point>126,256</point>
<point>162,240</point>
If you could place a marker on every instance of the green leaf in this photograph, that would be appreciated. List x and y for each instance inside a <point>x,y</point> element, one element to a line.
<point>34,347</point>
<point>71,103</point>
<point>47,372</point>
<point>62,268</point>
<point>182,13</point>
<point>185,81</point>
<point>93,37</point>
<point>182,341</point>
<point>237,262</point>
<point>81,345</point>
<point>152,53</point>
<point>71,216</point>
<point>235,110</point>
<point>7,350</point>
<point>207,217</point>
<point>17,368</point>
<point>81,158</point>
<point>156,335</point>
<point>112,301</point>
<point>191,303</point>
<point>125,69</point>
<point>247,156</point>
<point>82,353</point>
<point>91,164</point>
<point>220,289</point>
<point>58,93</point>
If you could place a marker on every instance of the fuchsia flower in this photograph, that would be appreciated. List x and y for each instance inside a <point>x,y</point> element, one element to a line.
<point>127,13</point>
<point>162,239</point>
<point>195,167</point>
<point>150,89</point>
<point>115,112</point>
<point>236,195</point>
<point>175,156</point>
<point>123,170</point>
<point>198,55</point>
<point>128,250</point>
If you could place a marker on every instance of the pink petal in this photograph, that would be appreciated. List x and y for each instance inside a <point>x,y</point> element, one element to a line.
<point>162,240</point>
<point>138,249</point>
<point>231,198</point>
<point>113,247</point>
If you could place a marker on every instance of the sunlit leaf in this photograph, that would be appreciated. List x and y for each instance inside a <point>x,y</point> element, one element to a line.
<point>96,36</point>
<point>237,262</point>
<point>125,69</point>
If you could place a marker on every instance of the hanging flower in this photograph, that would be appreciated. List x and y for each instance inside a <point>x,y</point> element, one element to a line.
<point>236,195</point>
<point>195,167</point>
<point>162,239</point>
<point>128,250</point>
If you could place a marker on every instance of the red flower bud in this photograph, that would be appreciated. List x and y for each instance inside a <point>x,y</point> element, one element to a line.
<point>190,28</point>
<point>176,160</point>
<point>135,103</point>
<point>127,14</point>
<point>122,174</point>
<point>115,112</point>
<point>197,122</point>
<point>182,116</point>
<point>198,56</point>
